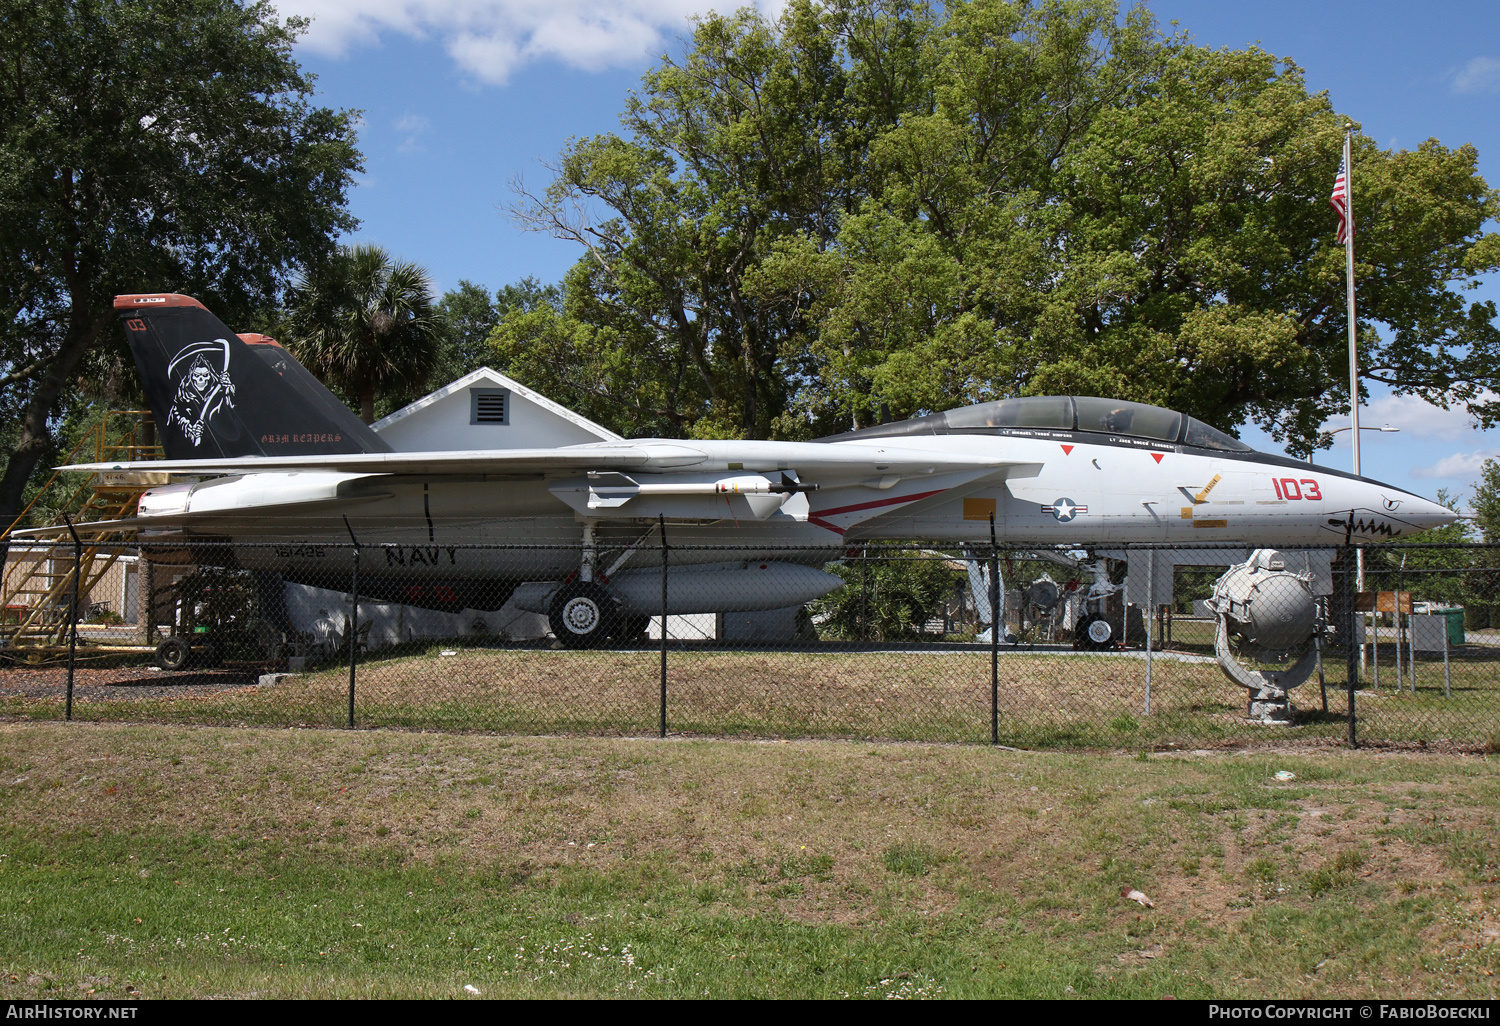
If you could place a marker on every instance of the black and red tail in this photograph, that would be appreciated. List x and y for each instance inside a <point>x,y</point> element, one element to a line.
<point>217,394</point>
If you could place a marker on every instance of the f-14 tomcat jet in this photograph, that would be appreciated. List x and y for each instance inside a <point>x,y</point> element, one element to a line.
<point>270,456</point>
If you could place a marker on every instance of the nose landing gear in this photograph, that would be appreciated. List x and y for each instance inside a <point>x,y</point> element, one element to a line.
<point>1096,633</point>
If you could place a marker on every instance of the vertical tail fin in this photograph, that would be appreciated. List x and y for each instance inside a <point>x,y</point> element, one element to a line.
<point>216,394</point>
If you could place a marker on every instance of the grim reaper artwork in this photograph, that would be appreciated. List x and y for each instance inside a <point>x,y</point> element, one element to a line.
<point>204,389</point>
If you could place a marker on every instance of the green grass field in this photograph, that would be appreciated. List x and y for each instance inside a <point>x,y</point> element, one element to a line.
<point>1045,700</point>
<point>174,861</point>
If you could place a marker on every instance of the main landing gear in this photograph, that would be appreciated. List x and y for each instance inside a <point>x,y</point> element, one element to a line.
<point>584,613</point>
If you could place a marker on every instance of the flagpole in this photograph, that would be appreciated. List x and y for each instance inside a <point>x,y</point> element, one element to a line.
<point>1349,282</point>
<point>1359,554</point>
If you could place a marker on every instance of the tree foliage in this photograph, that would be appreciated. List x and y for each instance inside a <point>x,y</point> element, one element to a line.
<point>1486,501</point>
<point>890,597</point>
<point>367,323</point>
<point>878,208</point>
<point>147,146</point>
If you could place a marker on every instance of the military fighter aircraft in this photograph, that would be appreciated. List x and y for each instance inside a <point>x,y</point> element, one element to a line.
<point>258,451</point>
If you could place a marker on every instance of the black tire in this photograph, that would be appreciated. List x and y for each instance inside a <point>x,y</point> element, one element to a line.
<point>633,628</point>
<point>583,615</point>
<point>173,653</point>
<point>1097,633</point>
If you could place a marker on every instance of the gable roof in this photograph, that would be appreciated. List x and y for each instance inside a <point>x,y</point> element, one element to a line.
<point>487,376</point>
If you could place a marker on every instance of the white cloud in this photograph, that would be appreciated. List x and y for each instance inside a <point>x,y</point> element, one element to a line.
<point>1480,75</point>
<point>471,50</point>
<point>490,39</point>
<point>1411,415</point>
<point>411,127</point>
<point>1464,466</point>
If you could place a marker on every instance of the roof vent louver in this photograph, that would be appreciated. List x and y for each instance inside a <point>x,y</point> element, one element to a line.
<point>489,406</point>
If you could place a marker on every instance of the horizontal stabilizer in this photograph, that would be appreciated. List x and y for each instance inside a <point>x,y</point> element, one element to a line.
<point>93,529</point>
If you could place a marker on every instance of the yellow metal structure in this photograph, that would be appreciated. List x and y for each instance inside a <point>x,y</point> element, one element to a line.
<point>39,577</point>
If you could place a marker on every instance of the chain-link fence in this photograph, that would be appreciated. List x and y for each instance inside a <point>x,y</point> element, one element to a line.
<point>1128,647</point>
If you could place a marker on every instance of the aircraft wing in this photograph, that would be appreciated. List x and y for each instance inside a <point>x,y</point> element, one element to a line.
<point>89,529</point>
<point>160,521</point>
<point>809,459</point>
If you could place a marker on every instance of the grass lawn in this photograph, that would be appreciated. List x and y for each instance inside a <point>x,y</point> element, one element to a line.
<point>1045,699</point>
<point>163,860</point>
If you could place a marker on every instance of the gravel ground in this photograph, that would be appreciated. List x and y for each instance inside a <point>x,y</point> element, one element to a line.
<point>121,683</point>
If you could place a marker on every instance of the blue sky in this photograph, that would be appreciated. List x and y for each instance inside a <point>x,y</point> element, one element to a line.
<point>461,97</point>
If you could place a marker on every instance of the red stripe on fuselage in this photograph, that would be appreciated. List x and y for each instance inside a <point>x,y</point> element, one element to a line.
<point>816,516</point>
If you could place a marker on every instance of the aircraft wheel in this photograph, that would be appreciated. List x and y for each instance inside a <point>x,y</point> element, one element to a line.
<point>633,628</point>
<point>173,653</point>
<point>582,615</point>
<point>1096,633</point>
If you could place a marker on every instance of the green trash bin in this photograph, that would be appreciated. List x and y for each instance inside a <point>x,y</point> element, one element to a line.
<point>1455,617</point>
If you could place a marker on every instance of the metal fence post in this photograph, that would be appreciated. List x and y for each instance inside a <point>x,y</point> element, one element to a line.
<point>1322,683</point>
<point>1150,616</point>
<point>73,630</point>
<point>1447,677</point>
<point>864,592</point>
<point>994,635</point>
<point>352,633</point>
<point>1354,650</point>
<point>662,522</point>
<point>1411,653</point>
<point>1396,624</point>
<point>1408,633</point>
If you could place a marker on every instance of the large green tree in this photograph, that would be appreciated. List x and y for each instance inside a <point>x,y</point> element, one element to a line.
<point>873,209</point>
<point>1486,501</point>
<point>470,314</point>
<point>146,146</point>
<point>745,141</point>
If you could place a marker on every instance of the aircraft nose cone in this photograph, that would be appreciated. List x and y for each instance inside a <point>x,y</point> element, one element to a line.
<point>1422,514</point>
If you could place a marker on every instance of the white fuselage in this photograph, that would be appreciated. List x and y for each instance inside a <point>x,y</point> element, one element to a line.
<point>1083,493</point>
<point>1042,491</point>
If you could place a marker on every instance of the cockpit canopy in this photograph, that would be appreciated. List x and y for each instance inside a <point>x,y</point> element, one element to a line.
<point>1063,413</point>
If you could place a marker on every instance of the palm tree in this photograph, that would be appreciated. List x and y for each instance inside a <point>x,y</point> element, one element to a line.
<point>366,323</point>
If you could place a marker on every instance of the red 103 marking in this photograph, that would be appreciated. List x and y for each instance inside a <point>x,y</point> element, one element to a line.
<point>1292,488</point>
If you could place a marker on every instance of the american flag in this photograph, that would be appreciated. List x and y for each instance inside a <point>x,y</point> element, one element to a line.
<point>1339,201</point>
